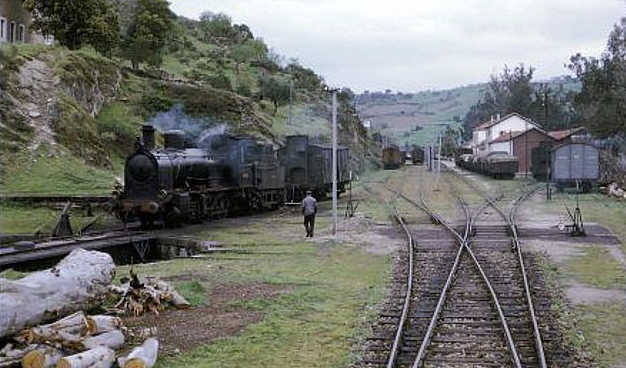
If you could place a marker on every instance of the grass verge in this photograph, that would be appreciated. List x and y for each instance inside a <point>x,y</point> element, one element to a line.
<point>603,326</point>
<point>596,267</point>
<point>334,288</point>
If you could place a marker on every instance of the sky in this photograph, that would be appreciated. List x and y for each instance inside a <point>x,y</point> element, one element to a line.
<point>413,45</point>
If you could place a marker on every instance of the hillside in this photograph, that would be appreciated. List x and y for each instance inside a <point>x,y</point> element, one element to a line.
<point>417,118</point>
<point>69,118</point>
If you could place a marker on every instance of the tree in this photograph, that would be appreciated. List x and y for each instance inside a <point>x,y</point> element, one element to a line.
<point>304,78</point>
<point>77,23</point>
<point>601,103</point>
<point>450,141</point>
<point>513,91</point>
<point>148,33</point>
<point>216,27</point>
<point>103,33</point>
<point>275,89</point>
<point>251,49</point>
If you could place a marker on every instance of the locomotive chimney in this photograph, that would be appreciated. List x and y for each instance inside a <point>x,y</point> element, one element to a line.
<point>148,137</point>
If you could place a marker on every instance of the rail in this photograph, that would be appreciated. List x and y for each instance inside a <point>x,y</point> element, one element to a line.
<point>510,220</point>
<point>393,354</point>
<point>463,246</point>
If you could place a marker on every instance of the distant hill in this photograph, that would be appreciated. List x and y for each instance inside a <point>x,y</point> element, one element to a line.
<point>416,118</point>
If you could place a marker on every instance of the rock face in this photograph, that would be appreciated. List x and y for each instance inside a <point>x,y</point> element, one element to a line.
<point>56,95</point>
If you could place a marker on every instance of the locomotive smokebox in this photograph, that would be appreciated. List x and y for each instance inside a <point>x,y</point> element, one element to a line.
<point>174,139</point>
<point>147,132</point>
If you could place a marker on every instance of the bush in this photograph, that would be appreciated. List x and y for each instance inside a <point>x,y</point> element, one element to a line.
<point>220,81</point>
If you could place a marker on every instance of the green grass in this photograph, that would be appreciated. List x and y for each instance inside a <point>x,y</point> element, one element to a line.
<point>603,327</point>
<point>11,274</point>
<point>60,174</point>
<point>320,321</point>
<point>303,121</point>
<point>20,219</point>
<point>24,220</point>
<point>596,267</point>
<point>193,291</point>
<point>118,126</point>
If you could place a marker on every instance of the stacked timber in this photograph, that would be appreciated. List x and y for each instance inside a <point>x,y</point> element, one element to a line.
<point>79,281</point>
<point>77,341</point>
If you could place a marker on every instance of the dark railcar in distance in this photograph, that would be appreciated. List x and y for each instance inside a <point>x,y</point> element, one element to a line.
<point>417,156</point>
<point>566,165</point>
<point>499,165</point>
<point>393,158</point>
<point>574,163</point>
<point>308,166</point>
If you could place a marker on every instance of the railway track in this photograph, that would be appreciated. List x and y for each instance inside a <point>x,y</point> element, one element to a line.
<point>468,303</point>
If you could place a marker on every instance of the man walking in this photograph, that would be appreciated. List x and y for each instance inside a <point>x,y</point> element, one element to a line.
<point>309,209</point>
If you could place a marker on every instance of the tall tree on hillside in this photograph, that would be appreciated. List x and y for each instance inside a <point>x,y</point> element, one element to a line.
<point>217,27</point>
<point>601,104</point>
<point>275,89</point>
<point>148,32</point>
<point>77,23</point>
<point>251,49</point>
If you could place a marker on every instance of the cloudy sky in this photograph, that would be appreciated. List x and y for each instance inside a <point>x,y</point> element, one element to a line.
<point>411,45</point>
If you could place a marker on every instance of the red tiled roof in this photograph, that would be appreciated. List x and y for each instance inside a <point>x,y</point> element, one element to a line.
<point>562,134</point>
<point>505,137</point>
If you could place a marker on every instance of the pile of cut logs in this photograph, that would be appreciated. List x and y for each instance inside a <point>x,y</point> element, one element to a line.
<point>152,295</point>
<point>78,282</point>
<point>77,341</point>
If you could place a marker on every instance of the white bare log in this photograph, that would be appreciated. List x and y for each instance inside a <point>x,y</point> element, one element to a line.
<point>178,300</point>
<point>42,357</point>
<point>102,365</point>
<point>144,356</point>
<point>86,359</point>
<point>74,323</point>
<point>11,357</point>
<point>9,362</point>
<point>59,339</point>
<point>112,339</point>
<point>101,323</point>
<point>72,284</point>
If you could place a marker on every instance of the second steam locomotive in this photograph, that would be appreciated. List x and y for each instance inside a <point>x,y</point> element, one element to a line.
<point>230,175</point>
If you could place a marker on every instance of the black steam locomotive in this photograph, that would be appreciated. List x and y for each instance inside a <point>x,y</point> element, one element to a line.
<point>231,175</point>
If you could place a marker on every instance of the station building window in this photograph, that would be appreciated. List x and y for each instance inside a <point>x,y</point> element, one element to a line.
<point>21,36</point>
<point>11,34</point>
<point>3,29</point>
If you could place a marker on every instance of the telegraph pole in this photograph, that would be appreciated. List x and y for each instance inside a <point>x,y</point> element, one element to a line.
<point>334,162</point>
<point>438,162</point>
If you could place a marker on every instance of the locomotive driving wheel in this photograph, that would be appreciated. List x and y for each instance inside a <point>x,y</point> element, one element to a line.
<point>222,205</point>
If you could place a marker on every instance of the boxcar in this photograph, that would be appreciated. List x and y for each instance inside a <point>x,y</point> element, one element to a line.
<point>417,156</point>
<point>309,166</point>
<point>500,165</point>
<point>393,158</point>
<point>574,163</point>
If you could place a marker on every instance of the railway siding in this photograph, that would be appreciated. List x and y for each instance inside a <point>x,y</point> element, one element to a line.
<point>488,315</point>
